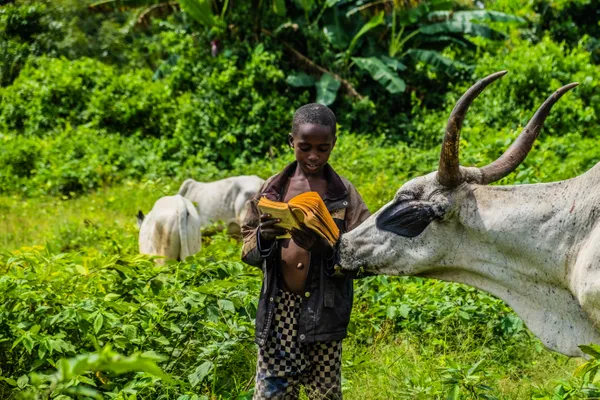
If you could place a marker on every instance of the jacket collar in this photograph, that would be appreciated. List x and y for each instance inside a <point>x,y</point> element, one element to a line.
<point>336,189</point>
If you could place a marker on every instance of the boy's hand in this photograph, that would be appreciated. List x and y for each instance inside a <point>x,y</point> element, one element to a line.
<point>268,230</point>
<point>310,240</point>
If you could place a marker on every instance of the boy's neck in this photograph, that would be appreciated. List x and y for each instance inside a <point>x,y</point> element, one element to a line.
<point>299,173</point>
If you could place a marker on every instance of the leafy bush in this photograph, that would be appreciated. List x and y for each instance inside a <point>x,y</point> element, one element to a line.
<point>238,110</point>
<point>196,315</point>
<point>49,94</point>
<point>569,21</point>
<point>66,164</point>
<point>534,73</point>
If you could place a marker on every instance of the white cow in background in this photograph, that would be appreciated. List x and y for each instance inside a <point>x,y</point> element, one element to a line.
<point>222,200</point>
<point>171,229</point>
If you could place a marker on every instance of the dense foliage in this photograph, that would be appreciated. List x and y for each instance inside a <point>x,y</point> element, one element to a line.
<point>159,103</point>
<point>107,105</point>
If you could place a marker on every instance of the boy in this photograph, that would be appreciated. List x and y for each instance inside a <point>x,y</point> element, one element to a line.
<point>303,313</point>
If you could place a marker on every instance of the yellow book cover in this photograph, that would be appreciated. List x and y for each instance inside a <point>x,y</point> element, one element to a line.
<point>306,208</point>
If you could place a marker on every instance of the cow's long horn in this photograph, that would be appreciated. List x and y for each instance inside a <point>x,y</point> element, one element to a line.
<point>449,170</point>
<point>516,153</point>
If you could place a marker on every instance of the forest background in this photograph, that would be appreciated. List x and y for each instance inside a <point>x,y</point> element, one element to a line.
<point>106,106</point>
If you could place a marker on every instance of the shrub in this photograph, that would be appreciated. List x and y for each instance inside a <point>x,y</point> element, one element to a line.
<point>195,317</point>
<point>50,93</point>
<point>66,164</point>
<point>534,73</point>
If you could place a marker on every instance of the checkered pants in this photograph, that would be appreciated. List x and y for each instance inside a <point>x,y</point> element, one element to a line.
<point>284,364</point>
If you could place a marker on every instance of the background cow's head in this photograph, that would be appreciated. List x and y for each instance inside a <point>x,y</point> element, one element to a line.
<point>422,225</point>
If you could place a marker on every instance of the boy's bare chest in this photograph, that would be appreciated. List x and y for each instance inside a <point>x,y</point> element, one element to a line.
<point>299,186</point>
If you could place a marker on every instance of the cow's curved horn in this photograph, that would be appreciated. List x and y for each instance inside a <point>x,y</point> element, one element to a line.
<point>449,170</point>
<point>516,153</point>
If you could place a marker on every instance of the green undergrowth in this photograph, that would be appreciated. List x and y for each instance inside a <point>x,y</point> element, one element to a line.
<point>194,320</point>
<point>73,284</point>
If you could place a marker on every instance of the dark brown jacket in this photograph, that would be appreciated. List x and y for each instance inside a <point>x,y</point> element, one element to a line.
<point>327,300</point>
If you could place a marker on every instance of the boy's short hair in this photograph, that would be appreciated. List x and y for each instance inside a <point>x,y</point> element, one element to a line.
<point>314,113</point>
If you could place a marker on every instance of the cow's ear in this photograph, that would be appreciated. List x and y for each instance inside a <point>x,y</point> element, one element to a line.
<point>140,218</point>
<point>407,218</point>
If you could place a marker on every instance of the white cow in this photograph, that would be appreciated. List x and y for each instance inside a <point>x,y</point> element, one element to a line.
<point>222,200</point>
<point>537,247</point>
<point>171,229</point>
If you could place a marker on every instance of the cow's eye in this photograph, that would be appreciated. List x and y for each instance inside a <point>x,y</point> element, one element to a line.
<point>407,218</point>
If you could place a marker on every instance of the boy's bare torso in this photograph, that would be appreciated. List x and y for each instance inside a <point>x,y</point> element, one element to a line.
<point>295,260</point>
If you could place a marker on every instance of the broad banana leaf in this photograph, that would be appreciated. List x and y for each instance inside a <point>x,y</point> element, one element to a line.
<point>300,80</point>
<point>436,60</point>
<point>307,5</point>
<point>199,10</point>
<point>477,15</point>
<point>279,7</point>
<point>381,73</point>
<point>336,36</point>
<point>442,41</point>
<point>462,27</point>
<point>393,63</point>
<point>373,23</point>
<point>105,4</point>
<point>327,88</point>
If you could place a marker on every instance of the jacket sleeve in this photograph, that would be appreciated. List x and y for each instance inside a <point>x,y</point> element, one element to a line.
<point>253,250</point>
<point>357,211</point>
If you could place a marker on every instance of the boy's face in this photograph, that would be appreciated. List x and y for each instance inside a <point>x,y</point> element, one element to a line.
<point>312,146</point>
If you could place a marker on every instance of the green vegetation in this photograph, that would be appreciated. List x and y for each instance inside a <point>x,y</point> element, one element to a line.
<point>106,106</point>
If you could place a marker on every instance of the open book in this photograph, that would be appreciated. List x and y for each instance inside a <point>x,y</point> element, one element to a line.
<point>306,208</point>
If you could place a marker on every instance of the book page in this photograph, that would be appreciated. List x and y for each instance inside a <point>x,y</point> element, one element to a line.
<point>288,221</point>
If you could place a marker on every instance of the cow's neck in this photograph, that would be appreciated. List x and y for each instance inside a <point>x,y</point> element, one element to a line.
<point>520,244</point>
<point>539,226</point>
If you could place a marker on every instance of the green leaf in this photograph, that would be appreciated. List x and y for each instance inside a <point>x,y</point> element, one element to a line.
<point>81,270</point>
<point>462,27</point>
<point>22,381</point>
<point>279,7</point>
<point>300,80</point>
<point>85,391</point>
<point>436,60</point>
<point>108,5</point>
<point>475,368</point>
<point>464,315</point>
<point>226,305</point>
<point>446,40</point>
<point>307,5</point>
<point>111,297</point>
<point>199,10</point>
<point>479,15</point>
<point>129,331</point>
<point>200,373</point>
<point>28,343</point>
<point>10,381</point>
<point>135,363</point>
<point>98,323</point>
<point>591,349</point>
<point>454,393</point>
<point>404,310</point>
<point>381,73</point>
<point>391,312</point>
<point>327,88</point>
<point>373,23</point>
<point>162,340</point>
<point>393,63</point>
<point>336,34</point>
